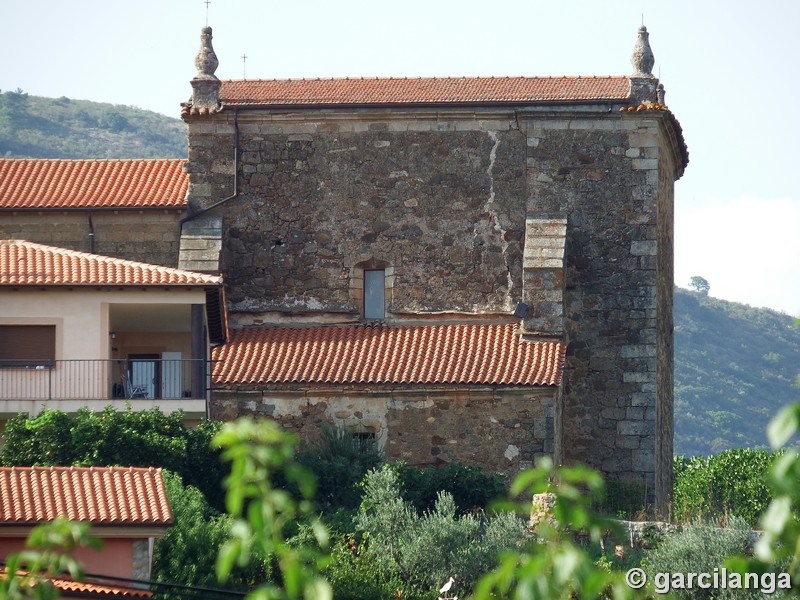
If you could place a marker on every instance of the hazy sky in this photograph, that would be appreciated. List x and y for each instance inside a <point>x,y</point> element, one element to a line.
<point>728,68</point>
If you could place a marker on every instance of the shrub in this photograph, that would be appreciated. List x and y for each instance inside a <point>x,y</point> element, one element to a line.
<point>732,482</point>
<point>701,548</point>
<point>470,487</point>
<point>339,463</point>
<point>425,550</point>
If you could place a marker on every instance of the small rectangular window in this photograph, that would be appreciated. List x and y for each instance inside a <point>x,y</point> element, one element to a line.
<point>364,441</point>
<point>27,346</point>
<point>374,294</point>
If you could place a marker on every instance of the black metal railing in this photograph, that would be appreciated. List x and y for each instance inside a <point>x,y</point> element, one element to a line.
<point>102,379</point>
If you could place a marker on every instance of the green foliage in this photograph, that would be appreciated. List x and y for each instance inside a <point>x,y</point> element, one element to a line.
<point>735,366</point>
<point>262,513</point>
<point>700,548</point>
<point>555,564</point>
<point>35,127</point>
<point>199,532</point>
<point>47,553</point>
<point>780,541</point>
<point>339,463</point>
<point>409,550</point>
<point>356,574</point>
<point>732,482</point>
<point>470,487</point>
<point>93,439</point>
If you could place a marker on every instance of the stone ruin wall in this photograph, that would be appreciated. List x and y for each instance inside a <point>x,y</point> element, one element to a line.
<point>500,430</point>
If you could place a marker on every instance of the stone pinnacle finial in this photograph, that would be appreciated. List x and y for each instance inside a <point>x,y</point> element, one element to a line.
<point>205,85</point>
<point>206,61</point>
<point>642,58</point>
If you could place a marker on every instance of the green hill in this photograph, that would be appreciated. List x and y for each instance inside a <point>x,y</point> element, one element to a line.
<point>735,366</point>
<point>35,127</point>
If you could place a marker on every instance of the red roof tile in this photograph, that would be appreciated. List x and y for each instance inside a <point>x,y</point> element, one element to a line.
<point>27,183</point>
<point>99,495</point>
<point>432,90</point>
<point>387,354</point>
<point>26,263</point>
<point>93,588</point>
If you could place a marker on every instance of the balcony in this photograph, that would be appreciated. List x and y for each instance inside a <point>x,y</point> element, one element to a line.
<point>170,384</point>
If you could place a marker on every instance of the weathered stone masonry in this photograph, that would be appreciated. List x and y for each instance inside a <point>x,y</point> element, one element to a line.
<point>503,430</point>
<point>563,206</point>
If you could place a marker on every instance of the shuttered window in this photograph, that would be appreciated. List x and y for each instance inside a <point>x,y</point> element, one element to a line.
<point>27,345</point>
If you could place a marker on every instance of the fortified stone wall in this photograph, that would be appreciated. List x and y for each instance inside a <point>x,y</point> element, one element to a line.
<point>151,236</point>
<point>443,199</point>
<point>497,429</point>
<point>440,200</point>
<point>609,177</point>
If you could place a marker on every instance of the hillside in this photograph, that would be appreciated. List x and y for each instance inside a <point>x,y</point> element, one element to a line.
<point>735,366</point>
<point>35,127</point>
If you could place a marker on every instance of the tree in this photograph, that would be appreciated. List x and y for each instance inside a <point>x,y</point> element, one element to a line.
<point>262,512</point>
<point>199,532</point>
<point>700,285</point>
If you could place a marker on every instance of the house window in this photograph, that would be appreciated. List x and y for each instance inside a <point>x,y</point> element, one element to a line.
<point>364,441</point>
<point>27,346</point>
<point>374,294</point>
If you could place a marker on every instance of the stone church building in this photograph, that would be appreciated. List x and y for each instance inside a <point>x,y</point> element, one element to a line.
<point>471,269</point>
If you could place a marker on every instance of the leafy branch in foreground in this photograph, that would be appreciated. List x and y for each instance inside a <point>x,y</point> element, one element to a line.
<point>555,564</point>
<point>257,450</point>
<point>47,554</point>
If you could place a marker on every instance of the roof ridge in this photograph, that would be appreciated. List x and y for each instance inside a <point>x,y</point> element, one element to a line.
<point>420,77</point>
<point>86,160</point>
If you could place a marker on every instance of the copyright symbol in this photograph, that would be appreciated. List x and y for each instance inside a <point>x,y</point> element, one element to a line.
<point>636,578</point>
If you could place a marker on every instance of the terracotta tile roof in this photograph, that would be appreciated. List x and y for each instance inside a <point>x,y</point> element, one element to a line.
<point>432,90</point>
<point>100,495</point>
<point>387,354</point>
<point>27,263</point>
<point>91,588</point>
<point>27,183</point>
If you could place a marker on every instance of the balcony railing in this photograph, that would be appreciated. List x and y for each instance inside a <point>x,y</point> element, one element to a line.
<point>102,379</point>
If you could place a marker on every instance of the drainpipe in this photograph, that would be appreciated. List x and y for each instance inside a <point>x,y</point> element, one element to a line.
<point>91,233</point>
<point>235,173</point>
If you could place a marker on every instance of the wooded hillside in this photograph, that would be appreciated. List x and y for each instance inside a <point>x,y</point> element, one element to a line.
<point>35,127</point>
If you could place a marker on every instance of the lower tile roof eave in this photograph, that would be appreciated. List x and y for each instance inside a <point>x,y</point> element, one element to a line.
<point>104,530</point>
<point>179,208</point>
<point>288,386</point>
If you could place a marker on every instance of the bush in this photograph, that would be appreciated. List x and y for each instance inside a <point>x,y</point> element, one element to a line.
<point>701,548</point>
<point>339,463</point>
<point>732,482</point>
<point>470,487</point>
<point>187,553</point>
<point>425,550</point>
